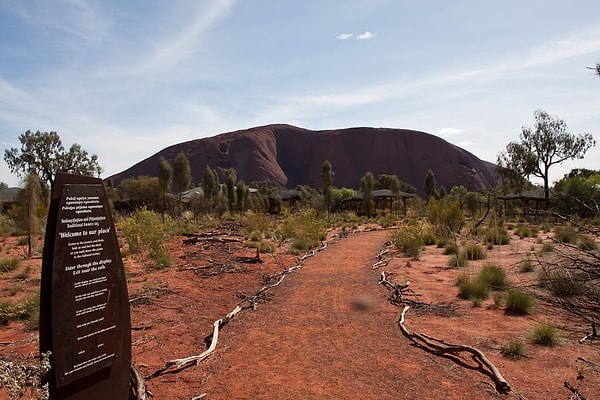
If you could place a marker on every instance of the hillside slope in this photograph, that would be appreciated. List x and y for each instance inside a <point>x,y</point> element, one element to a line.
<point>287,156</point>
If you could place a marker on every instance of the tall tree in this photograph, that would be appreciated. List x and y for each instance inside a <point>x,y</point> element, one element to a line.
<point>546,144</point>
<point>327,176</point>
<point>165,179</point>
<point>430,185</point>
<point>395,188</point>
<point>44,154</point>
<point>230,180</point>
<point>33,192</point>
<point>182,175</point>
<point>367,183</point>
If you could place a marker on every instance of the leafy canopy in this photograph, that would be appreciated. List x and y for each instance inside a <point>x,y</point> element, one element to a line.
<point>44,154</point>
<point>546,144</point>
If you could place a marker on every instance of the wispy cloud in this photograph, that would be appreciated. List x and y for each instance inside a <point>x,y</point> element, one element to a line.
<point>344,36</point>
<point>366,35</point>
<point>360,36</point>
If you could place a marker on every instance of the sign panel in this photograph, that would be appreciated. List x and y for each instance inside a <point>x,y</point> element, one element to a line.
<point>84,308</point>
<point>85,318</point>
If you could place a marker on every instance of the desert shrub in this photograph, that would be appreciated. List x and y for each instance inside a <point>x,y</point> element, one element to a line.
<point>513,349</point>
<point>587,243</point>
<point>450,248</point>
<point>493,276</point>
<point>255,222</point>
<point>526,266</point>
<point>408,239</point>
<point>472,288</point>
<point>9,263</point>
<point>388,220</point>
<point>26,310</point>
<point>560,283</point>
<point>442,242</point>
<point>474,252</point>
<point>547,248</point>
<point>524,231</point>
<point>497,235</point>
<point>304,229</point>
<point>458,260</point>
<point>445,216</point>
<point>565,234</point>
<point>519,303</point>
<point>545,334</point>
<point>147,235</point>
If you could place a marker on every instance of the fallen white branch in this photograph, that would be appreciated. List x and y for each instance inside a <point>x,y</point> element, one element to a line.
<point>181,363</point>
<point>441,347</point>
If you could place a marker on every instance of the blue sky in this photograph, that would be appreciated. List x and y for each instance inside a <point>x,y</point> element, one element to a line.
<point>125,79</point>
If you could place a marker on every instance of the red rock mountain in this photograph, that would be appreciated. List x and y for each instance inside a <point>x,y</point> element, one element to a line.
<point>287,156</point>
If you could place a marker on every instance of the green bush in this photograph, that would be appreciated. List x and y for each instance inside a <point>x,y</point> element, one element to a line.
<point>451,248</point>
<point>565,234</point>
<point>27,310</point>
<point>519,303</point>
<point>560,284</point>
<point>526,266</point>
<point>545,334</point>
<point>493,276</point>
<point>458,260</point>
<point>587,243</point>
<point>472,288</point>
<point>408,239</point>
<point>474,252</point>
<point>497,235</point>
<point>514,349</point>
<point>547,248</point>
<point>524,231</point>
<point>147,235</point>
<point>8,264</point>
<point>388,220</point>
<point>304,229</point>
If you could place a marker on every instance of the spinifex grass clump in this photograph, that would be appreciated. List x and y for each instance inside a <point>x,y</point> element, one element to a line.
<point>524,231</point>
<point>519,303</point>
<point>493,276</point>
<point>545,334</point>
<point>566,234</point>
<point>458,260</point>
<point>8,263</point>
<point>472,288</point>
<point>474,252</point>
<point>514,349</point>
<point>497,235</point>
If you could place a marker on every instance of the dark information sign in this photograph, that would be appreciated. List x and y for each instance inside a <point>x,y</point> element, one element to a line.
<point>88,325</point>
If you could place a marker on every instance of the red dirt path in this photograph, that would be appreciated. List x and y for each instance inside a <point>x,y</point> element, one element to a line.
<point>328,331</point>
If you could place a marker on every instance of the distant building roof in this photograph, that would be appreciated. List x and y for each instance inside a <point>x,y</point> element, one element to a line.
<point>537,193</point>
<point>9,195</point>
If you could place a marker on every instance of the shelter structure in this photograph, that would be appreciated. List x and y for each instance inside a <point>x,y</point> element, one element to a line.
<point>383,198</point>
<point>527,202</point>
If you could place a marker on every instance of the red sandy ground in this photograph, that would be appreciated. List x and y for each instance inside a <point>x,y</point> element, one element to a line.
<point>329,332</point>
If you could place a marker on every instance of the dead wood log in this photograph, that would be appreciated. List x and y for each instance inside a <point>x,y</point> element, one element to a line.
<point>138,385</point>
<point>181,363</point>
<point>592,336</point>
<point>441,347</point>
<point>575,391</point>
<point>250,260</point>
<point>219,239</point>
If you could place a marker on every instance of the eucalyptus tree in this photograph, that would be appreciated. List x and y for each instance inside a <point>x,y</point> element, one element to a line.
<point>546,144</point>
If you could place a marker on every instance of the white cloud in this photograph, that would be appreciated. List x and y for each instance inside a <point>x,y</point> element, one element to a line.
<point>344,36</point>
<point>448,132</point>
<point>366,35</point>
